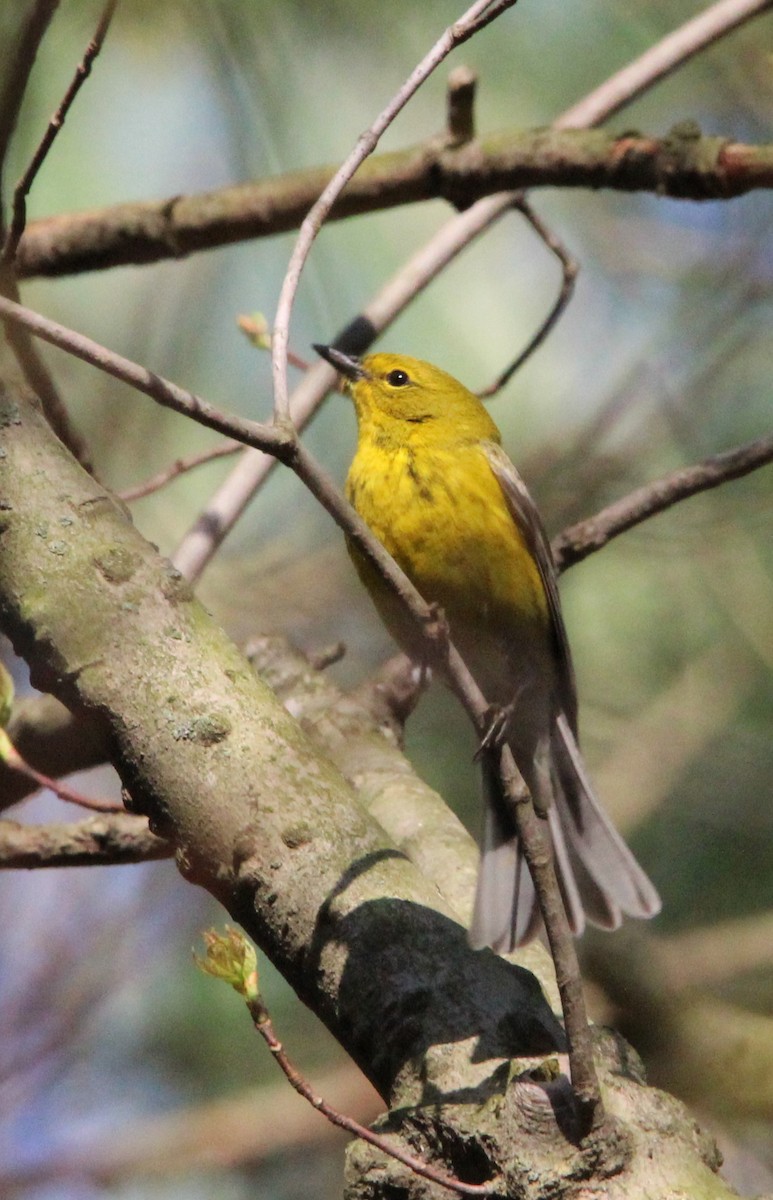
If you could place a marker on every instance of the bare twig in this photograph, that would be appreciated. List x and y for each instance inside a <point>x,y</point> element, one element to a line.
<point>169,395</point>
<point>83,70</point>
<point>460,105</point>
<point>577,542</point>
<point>231,958</point>
<point>563,950</point>
<point>11,757</point>
<point>18,62</point>
<point>179,467</point>
<point>264,1026</point>
<point>53,740</point>
<point>478,15</point>
<point>569,269</point>
<point>99,841</point>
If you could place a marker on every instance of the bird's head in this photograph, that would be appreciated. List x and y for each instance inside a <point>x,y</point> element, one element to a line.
<point>397,388</point>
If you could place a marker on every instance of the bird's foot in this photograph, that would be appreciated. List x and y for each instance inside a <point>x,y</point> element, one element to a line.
<point>498,720</point>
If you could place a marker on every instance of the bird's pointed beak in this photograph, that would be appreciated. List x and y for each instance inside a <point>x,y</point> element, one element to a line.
<point>348,366</point>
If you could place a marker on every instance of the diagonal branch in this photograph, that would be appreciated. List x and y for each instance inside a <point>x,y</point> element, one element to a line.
<point>163,391</point>
<point>584,538</point>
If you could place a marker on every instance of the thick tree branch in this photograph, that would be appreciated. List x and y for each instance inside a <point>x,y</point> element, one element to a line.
<point>683,165</point>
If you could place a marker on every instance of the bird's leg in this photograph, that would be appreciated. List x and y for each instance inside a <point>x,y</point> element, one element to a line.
<point>498,719</point>
<point>438,632</point>
<point>436,624</point>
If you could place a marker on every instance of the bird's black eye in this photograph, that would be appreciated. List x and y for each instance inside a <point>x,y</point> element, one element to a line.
<point>397,378</point>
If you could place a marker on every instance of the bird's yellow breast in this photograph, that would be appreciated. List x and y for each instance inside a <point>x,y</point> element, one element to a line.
<point>441,513</point>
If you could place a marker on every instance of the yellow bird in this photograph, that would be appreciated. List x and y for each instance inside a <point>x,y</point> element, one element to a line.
<point>432,481</point>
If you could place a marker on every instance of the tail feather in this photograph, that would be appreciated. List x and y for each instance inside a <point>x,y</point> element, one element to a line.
<point>506,913</point>
<point>567,882</point>
<point>597,843</point>
<point>598,875</point>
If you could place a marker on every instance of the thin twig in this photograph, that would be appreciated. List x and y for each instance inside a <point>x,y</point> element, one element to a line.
<point>179,467</point>
<point>163,391</point>
<point>478,15</point>
<point>578,541</point>
<point>563,949</point>
<point>83,70</point>
<point>11,757</point>
<point>569,269</point>
<point>18,62</point>
<point>230,957</point>
<point>264,1026</point>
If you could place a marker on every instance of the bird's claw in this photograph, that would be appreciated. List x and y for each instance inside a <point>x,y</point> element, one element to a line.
<point>498,720</point>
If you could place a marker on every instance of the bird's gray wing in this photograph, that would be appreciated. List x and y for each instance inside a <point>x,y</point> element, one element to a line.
<point>524,513</point>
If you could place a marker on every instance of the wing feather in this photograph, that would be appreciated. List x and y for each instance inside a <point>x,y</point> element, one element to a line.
<point>524,512</point>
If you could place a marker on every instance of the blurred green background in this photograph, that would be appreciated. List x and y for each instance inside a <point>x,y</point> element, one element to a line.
<point>663,358</point>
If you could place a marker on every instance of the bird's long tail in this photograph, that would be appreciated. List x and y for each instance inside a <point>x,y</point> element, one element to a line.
<point>599,877</point>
